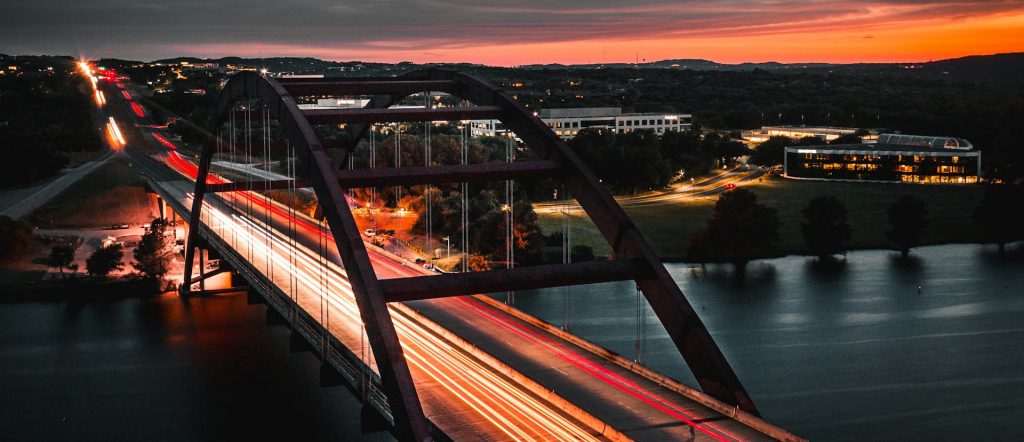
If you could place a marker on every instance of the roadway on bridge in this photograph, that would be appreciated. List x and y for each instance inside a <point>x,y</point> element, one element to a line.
<point>460,394</point>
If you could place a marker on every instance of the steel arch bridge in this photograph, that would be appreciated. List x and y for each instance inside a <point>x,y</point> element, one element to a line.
<point>634,258</point>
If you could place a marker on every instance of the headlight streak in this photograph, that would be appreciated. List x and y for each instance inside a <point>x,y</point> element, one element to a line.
<point>411,331</point>
<point>505,406</point>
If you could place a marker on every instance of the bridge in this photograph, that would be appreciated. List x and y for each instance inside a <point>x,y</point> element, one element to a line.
<point>427,352</point>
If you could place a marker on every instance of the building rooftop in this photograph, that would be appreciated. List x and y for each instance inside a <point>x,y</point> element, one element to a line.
<point>926,141</point>
<point>867,148</point>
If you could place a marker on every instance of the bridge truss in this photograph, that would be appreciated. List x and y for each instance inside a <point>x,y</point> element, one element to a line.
<point>633,257</point>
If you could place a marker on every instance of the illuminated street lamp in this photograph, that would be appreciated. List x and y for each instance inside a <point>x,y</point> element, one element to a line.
<point>448,241</point>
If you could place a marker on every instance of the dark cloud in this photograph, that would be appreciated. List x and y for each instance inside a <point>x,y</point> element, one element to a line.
<point>148,29</point>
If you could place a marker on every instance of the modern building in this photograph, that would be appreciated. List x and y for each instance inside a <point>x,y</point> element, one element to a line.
<point>566,123</point>
<point>825,134</point>
<point>336,103</point>
<point>893,158</point>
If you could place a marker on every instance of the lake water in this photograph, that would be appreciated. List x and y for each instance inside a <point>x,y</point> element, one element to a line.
<point>853,352</point>
<point>162,368</point>
<point>849,352</point>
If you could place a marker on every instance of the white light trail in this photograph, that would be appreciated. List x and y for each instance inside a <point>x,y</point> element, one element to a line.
<point>506,406</point>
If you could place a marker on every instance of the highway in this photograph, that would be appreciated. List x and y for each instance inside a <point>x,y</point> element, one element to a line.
<point>466,397</point>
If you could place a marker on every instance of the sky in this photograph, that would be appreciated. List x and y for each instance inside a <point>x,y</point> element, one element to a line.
<point>500,32</point>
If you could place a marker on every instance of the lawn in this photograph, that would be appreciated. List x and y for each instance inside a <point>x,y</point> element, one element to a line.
<point>668,227</point>
<point>112,194</point>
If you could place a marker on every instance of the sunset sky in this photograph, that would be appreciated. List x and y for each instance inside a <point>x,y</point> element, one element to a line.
<point>519,32</point>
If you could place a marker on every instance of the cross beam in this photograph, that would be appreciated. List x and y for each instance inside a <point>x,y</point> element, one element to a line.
<point>360,115</point>
<point>522,278</point>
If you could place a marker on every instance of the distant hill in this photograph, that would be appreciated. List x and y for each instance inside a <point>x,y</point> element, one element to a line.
<point>693,64</point>
<point>1002,70</point>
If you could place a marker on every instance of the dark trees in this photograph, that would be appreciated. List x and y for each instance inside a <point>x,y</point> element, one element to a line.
<point>61,256</point>
<point>155,250</point>
<point>15,236</point>
<point>105,260</point>
<point>826,230</point>
<point>739,230</point>
<point>772,152</point>
<point>1001,215</point>
<point>908,217</point>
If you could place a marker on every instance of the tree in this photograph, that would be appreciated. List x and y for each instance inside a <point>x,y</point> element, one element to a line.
<point>908,217</point>
<point>105,260</point>
<point>155,251</point>
<point>1001,215</point>
<point>739,230</point>
<point>15,235</point>
<point>61,256</point>
<point>772,152</point>
<point>826,229</point>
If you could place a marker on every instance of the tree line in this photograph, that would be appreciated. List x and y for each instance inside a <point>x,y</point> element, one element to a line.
<point>741,229</point>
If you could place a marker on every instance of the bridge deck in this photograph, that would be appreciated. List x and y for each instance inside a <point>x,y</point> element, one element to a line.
<point>632,404</point>
<point>461,394</point>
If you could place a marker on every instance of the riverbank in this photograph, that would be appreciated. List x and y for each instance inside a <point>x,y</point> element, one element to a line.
<point>668,226</point>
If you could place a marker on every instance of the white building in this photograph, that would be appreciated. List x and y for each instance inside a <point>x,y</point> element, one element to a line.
<point>823,133</point>
<point>566,123</point>
<point>337,103</point>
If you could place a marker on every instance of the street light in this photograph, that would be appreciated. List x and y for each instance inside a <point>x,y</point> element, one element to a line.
<point>693,190</point>
<point>448,242</point>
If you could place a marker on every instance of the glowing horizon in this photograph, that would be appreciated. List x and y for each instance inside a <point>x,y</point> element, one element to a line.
<point>497,32</point>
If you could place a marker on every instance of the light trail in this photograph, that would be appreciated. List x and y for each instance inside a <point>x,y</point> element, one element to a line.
<point>100,98</point>
<point>415,338</point>
<point>115,133</point>
<point>112,125</point>
<point>501,403</point>
<point>162,140</point>
<point>137,109</point>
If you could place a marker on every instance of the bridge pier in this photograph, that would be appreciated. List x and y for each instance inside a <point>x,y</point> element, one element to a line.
<point>222,271</point>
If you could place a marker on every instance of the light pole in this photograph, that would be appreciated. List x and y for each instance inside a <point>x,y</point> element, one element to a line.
<point>693,190</point>
<point>448,242</point>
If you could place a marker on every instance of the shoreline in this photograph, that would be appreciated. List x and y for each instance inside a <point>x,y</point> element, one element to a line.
<point>1010,249</point>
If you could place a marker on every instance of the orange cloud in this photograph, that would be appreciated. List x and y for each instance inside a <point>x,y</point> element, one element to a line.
<point>819,32</point>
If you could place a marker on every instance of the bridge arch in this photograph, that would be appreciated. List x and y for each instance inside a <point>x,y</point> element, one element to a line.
<point>635,260</point>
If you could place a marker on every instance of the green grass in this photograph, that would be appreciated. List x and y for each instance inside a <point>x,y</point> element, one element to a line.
<point>668,227</point>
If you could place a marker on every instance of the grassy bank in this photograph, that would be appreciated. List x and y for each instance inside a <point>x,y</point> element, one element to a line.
<point>668,227</point>
<point>113,193</point>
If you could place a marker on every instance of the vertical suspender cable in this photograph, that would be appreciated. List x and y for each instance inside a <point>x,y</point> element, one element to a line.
<point>428,206</point>
<point>398,158</point>
<point>566,258</point>
<point>373,164</point>
<point>465,201</point>
<point>510,296</point>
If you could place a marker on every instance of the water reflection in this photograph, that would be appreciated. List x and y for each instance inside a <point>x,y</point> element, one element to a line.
<point>162,368</point>
<point>873,346</point>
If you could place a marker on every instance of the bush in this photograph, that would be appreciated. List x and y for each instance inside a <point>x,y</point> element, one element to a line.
<point>105,260</point>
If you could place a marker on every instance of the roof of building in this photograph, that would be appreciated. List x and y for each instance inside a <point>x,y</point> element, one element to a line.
<point>926,141</point>
<point>868,148</point>
<point>581,112</point>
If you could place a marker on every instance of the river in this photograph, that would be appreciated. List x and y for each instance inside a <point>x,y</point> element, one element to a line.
<point>162,368</point>
<point>876,348</point>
